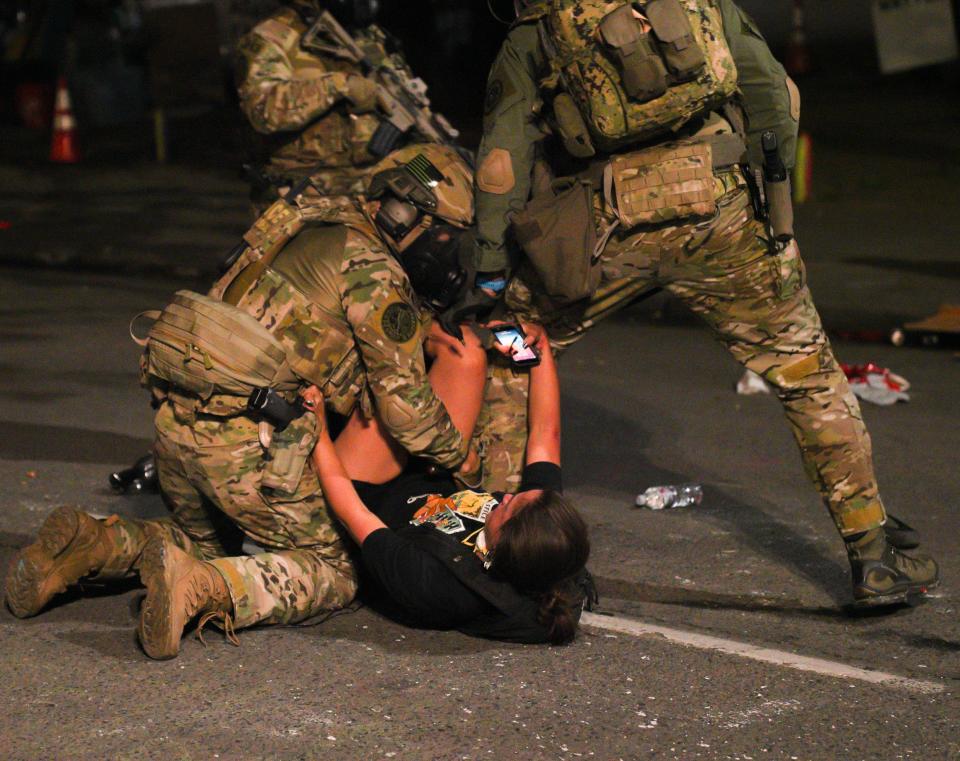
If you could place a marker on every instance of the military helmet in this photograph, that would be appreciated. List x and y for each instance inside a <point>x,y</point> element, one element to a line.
<point>426,202</point>
<point>431,177</point>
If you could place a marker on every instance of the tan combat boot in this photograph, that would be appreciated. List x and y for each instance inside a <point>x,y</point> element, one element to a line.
<point>70,545</point>
<point>884,575</point>
<point>179,587</point>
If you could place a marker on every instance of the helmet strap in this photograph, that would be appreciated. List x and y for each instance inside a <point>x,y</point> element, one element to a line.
<point>425,222</point>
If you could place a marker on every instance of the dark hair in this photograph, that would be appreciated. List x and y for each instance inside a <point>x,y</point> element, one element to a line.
<point>539,551</point>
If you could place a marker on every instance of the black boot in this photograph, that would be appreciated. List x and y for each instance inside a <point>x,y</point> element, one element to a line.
<point>883,575</point>
<point>140,477</point>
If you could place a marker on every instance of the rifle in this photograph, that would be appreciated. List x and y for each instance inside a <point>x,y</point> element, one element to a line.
<point>402,96</point>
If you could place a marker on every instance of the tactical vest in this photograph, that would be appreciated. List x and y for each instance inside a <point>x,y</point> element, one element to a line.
<point>632,71</point>
<point>255,328</point>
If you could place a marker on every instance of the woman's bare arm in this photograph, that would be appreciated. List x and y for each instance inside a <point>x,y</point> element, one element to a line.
<point>543,409</point>
<point>340,493</point>
<point>458,374</point>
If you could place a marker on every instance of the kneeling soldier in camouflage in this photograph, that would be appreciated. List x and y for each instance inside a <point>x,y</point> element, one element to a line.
<point>318,296</point>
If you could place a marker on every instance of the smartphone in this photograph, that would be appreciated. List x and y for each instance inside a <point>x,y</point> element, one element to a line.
<point>513,336</point>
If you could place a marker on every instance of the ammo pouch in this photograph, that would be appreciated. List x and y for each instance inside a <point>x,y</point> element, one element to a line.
<point>207,347</point>
<point>671,25</point>
<point>558,234</point>
<point>650,62</point>
<point>572,128</point>
<point>669,182</point>
<point>641,67</point>
<point>287,454</point>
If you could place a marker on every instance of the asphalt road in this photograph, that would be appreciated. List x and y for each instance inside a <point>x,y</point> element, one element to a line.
<point>646,401</point>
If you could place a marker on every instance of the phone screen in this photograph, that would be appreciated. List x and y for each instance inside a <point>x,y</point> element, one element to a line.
<point>512,336</point>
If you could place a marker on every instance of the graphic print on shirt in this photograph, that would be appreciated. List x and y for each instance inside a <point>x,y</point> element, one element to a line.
<point>462,512</point>
<point>438,512</point>
<point>473,505</point>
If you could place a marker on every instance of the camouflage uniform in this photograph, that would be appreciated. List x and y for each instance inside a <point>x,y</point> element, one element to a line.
<point>341,303</point>
<point>297,101</point>
<point>754,298</point>
<point>501,431</point>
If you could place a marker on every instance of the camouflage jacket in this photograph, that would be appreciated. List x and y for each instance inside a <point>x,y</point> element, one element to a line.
<point>513,127</point>
<point>342,306</point>
<point>295,99</point>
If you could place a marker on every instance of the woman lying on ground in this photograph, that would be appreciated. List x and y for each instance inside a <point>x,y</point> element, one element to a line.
<point>505,566</point>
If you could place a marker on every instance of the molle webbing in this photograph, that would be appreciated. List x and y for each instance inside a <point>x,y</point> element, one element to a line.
<point>661,184</point>
<point>671,181</point>
<point>205,346</point>
<point>269,234</point>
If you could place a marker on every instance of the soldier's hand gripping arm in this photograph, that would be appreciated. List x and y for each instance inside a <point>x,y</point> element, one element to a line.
<point>274,101</point>
<point>378,301</point>
<point>770,97</point>
<point>507,151</point>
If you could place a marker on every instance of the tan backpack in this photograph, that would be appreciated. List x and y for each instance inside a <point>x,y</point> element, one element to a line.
<point>205,345</point>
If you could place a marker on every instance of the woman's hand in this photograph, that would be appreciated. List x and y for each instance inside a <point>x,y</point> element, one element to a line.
<point>535,335</point>
<point>313,401</point>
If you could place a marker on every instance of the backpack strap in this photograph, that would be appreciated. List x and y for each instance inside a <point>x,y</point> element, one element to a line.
<point>261,243</point>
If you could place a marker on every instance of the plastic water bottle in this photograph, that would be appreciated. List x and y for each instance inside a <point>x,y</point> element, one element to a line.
<point>660,497</point>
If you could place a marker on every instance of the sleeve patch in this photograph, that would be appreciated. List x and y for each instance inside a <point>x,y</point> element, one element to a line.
<point>495,174</point>
<point>794,92</point>
<point>494,94</point>
<point>399,322</point>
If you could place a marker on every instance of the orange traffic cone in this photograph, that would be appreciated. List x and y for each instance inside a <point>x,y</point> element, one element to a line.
<point>797,59</point>
<point>63,147</point>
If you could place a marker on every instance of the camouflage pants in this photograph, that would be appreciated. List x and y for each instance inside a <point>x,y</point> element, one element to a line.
<point>760,308</point>
<point>210,474</point>
<point>501,431</point>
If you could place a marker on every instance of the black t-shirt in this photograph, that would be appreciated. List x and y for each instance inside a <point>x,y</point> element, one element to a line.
<point>419,587</point>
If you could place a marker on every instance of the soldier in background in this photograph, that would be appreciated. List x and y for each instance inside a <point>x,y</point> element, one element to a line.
<point>659,106</point>
<point>310,106</point>
<point>332,307</point>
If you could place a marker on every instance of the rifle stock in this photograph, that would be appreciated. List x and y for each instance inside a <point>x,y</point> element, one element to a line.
<point>403,99</point>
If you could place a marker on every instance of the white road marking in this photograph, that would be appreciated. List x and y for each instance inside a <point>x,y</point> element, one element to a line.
<point>754,652</point>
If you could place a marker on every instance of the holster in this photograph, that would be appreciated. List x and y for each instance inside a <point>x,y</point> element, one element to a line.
<point>287,455</point>
<point>780,209</point>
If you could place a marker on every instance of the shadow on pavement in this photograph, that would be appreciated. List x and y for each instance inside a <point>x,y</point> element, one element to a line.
<point>28,441</point>
<point>598,460</point>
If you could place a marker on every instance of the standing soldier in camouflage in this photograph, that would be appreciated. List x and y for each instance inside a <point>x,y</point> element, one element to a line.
<point>660,107</point>
<point>328,103</point>
<point>310,105</point>
<point>305,304</point>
